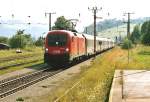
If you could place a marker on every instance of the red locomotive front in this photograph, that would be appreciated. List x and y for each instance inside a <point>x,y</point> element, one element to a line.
<point>57,47</point>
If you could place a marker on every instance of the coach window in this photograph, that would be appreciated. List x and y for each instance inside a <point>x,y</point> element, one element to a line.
<point>100,42</point>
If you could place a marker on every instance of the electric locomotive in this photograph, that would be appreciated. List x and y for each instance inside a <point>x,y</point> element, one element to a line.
<point>63,47</point>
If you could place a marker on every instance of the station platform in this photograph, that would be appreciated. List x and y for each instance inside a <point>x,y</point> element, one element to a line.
<point>130,86</point>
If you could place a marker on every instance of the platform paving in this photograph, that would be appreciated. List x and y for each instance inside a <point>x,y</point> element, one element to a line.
<point>133,86</point>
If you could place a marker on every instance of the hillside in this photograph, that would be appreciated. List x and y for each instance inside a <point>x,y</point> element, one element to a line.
<point>120,31</point>
<point>108,28</point>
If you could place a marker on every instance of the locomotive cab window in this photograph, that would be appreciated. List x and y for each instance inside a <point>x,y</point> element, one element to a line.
<point>57,39</point>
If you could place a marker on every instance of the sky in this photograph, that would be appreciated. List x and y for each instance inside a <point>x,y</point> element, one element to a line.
<point>71,10</point>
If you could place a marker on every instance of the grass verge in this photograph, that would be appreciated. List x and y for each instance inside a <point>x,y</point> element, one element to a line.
<point>93,85</point>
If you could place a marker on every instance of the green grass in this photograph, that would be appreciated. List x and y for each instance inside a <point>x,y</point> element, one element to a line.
<point>36,60</point>
<point>137,59</point>
<point>94,82</point>
<point>25,52</point>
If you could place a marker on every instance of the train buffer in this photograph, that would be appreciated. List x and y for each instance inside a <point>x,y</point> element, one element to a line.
<point>130,86</point>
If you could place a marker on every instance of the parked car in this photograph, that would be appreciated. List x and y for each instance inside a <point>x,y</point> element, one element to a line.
<point>4,46</point>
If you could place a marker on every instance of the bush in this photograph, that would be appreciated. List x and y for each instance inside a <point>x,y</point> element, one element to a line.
<point>20,99</point>
<point>127,44</point>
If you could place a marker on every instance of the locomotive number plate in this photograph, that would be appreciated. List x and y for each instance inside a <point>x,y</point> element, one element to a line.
<point>56,51</point>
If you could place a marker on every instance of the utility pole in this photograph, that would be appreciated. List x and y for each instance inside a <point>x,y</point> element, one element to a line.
<point>95,10</point>
<point>86,30</point>
<point>49,19</point>
<point>128,31</point>
<point>128,24</point>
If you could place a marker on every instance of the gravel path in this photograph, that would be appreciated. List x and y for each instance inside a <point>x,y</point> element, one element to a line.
<point>38,91</point>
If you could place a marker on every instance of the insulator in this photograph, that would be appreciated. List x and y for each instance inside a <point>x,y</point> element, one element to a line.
<point>29,23</point>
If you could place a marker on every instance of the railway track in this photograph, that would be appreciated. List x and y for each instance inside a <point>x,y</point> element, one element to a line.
<point>21,75</point>
<point>13,85</point>
<point>18,64</point>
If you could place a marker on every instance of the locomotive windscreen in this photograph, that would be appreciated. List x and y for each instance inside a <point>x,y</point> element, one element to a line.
<point>57,39</point>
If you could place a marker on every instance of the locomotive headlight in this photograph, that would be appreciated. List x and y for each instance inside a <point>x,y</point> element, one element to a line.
<point>67,49</point>
<point>46,50</point>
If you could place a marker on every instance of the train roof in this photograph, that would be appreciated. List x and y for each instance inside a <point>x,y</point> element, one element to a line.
<point>98,38</point>
<point>68,32</point>
<point>62,31</point>
<point>87,36</point>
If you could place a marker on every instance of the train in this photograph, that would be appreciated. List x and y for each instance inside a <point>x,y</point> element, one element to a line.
<point>62,46</point>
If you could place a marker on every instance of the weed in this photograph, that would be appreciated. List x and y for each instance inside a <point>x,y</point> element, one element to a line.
<point>20,99</point>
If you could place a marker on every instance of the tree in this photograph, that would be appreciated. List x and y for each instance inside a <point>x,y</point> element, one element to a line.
<point>19,32</point>
<point>3,39</point>
<point>29,40</point>
<point>14,42</point>
<point>135,36</point>
<point>62,24</point>
<point>39,42</point>
<point>146,39</point>
<point>146,34</point>
<point>20,40</point>
<point>144,27</point>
